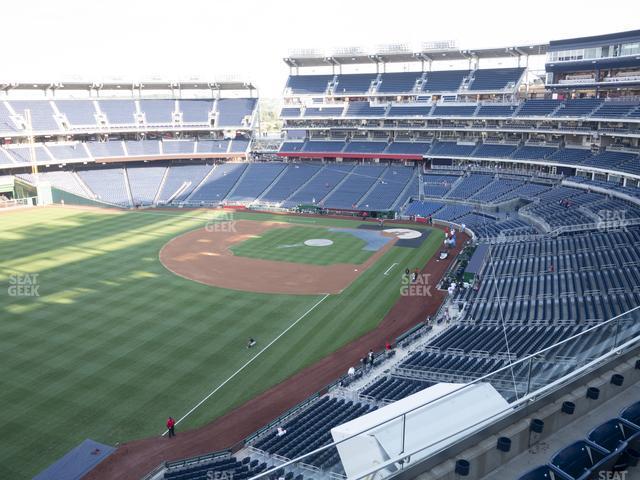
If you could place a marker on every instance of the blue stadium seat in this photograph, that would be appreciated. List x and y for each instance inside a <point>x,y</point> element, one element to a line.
<point>544,472</point>
<point>583,460</point>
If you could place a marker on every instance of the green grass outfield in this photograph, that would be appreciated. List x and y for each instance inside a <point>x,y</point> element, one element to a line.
<point>287,245</point>
<point>114,343</point>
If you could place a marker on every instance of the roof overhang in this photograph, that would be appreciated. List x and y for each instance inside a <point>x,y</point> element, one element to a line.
<point>401,54</point>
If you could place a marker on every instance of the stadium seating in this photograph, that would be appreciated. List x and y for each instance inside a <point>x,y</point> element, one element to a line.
<point>570,155</point>
<point>6,123</point>
<point>144,183</point>
<point>224,466</point>
<point>105,149</point>
<point>142,147</point>
<point>364,109</point>
<point>178,147</point>
<point>256,179</point>
<point>398,82</point>
<point>544,472</point>
<point>583,460</point>
<point>451,148</point>
<point>195,111</point>
<point>409,148</point>
<point>469,185</point>
<point>365,147</point>
<point>323,111</point>
<point>119,112</point>
<point>232,112</point>
<point>387,189</point>
<point>323,146</point>
<point>78,112</point>
<point>354,83</point>
<point>158,111</point>
<point>578,108</point>
<point>453,111</point>
<point>496,78</point>
<point>64,180</point>
<point>408,111</point>
<point>537,108</point>
<point>290,112</point>
<point>614,109</point>
<point>532,152</point>
<point>307,84</point>
<point>393,388</point>
<point>360,180</point>
<point>108,184</point>
<point>22,154</point>
<point>67,151</point>
<point>319,186</point>
<point>311,429</point>
<point>218,183</point>
<point>444,81</point>
<point>42,114</point>
<point>494,150</point>
<point>212,146</point>
<point>603,453</point>
<point>496,110</point>
<point>291,180</point>
<point>181,180</point>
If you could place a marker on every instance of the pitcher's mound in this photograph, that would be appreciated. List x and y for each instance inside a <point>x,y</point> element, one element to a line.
<point>318,242</point>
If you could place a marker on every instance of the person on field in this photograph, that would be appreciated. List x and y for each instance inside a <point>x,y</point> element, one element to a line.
<point>251,343</point>
<point>171,427</point>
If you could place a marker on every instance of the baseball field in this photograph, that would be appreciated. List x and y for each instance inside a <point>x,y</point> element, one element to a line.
<point>111,321</point>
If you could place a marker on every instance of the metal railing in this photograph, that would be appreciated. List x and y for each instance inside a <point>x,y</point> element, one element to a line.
<point>530,378</point>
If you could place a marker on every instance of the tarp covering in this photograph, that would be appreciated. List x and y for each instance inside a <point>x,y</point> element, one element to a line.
<point>77,462</point>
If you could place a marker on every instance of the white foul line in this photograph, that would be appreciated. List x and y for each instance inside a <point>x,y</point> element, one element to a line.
<point>387,272</point>
<point>249,362</point>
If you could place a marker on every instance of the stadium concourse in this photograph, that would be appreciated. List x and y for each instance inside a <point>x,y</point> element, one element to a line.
<point>524,322</point>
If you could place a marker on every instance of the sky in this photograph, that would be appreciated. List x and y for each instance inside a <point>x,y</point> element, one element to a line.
<point>215,40</point>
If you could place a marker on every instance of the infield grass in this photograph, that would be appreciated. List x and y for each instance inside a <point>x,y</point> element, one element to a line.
<point>113,343</point>
<point>287,245</point>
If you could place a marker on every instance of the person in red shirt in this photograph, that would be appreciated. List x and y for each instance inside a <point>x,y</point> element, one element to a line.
<point>171,427</point>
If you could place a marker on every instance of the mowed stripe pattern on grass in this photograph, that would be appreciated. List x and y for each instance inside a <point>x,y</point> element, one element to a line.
<point>287,245</point>
<point>115,343</point>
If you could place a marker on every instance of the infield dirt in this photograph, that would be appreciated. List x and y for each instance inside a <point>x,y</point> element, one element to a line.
<point>204,255</point>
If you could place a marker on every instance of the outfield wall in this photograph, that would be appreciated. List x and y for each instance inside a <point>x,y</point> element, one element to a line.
<point>62,197</point>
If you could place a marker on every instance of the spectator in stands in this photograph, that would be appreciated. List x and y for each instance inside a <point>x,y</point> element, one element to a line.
<point>251,343</point>
<point>351,372</point>
<point>171,427</point>
<point>281,432</point>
